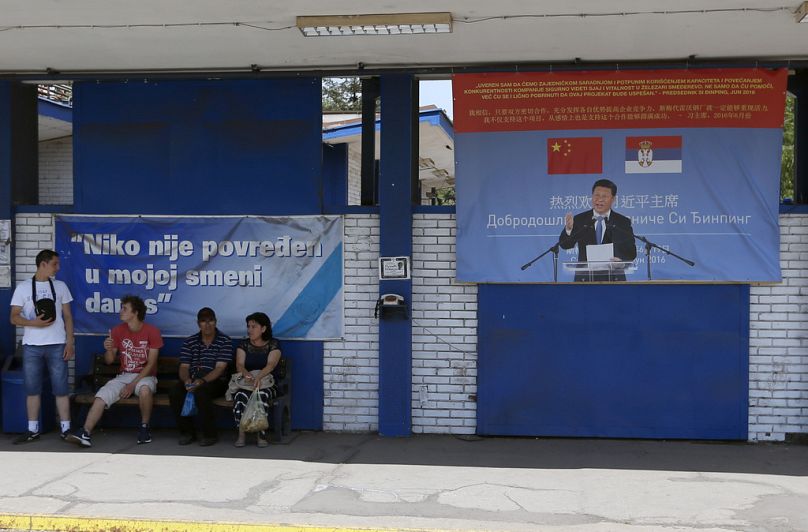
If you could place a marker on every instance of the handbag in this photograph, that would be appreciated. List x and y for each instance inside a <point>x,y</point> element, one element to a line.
<point>189,406</point>
<point>238,382</point>
<point>254,418</point>
<point>44,307</point>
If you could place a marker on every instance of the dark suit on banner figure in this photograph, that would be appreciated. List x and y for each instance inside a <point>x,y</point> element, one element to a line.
<point>600,225</point>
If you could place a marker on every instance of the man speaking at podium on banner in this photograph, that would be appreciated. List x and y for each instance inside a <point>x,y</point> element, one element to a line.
<point>600,225</point>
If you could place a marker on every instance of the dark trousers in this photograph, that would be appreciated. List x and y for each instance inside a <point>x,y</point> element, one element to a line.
<point>204,396</point>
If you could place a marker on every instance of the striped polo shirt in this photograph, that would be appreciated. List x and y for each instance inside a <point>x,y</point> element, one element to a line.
<point>203,358</point>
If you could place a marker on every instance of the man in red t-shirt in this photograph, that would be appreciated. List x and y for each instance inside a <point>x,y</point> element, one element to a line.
<point>138,344</point>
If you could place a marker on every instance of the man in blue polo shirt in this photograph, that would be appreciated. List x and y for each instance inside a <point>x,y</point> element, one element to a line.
<point>203,371</point>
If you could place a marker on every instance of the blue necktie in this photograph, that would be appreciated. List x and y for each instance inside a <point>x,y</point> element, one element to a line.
<point>599,229</point>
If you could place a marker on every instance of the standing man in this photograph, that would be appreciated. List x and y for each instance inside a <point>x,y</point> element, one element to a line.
<point>42,307</point>
<point>203,372</point>
<point>138,344</point>
<point>601,225</point>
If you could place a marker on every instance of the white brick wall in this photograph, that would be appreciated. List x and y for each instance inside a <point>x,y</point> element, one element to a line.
<point>778,341</point>
<point>445,325</point>
<point>56,172</point>
<point>34,232</point>
<point>351,366</point>
<point>444,332</point>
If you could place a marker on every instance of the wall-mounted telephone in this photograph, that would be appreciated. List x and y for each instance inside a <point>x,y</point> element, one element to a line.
<point>392,299</point>
<point>389,302</point>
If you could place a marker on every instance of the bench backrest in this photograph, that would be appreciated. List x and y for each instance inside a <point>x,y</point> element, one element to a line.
<point>167,372</point>
<point>283,376</point>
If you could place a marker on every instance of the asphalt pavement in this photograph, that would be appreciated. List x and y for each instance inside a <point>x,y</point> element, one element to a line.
<point>334,481</point>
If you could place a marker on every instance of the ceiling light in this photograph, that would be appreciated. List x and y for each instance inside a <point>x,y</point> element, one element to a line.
<point>802,13</point>
<point>392,24</point>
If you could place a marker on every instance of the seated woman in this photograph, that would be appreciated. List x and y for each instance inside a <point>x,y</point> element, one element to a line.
<point>261,352</point>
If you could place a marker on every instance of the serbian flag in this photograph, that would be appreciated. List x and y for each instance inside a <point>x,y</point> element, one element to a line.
<point>654,155</point>
<point>575,155</point>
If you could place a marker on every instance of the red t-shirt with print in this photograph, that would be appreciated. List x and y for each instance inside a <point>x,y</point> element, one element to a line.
<point>133,347</point>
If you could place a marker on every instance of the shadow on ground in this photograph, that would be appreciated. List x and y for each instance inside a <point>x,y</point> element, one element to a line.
<point>445,450</point>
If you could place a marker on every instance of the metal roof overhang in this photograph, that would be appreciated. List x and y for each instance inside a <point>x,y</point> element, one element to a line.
<point>55,40</point>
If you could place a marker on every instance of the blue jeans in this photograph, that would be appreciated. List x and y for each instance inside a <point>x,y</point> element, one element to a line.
<point>35,358</point>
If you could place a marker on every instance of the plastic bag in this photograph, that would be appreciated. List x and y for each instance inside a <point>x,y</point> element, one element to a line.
<point>254,418</point>
<point>189,406</point>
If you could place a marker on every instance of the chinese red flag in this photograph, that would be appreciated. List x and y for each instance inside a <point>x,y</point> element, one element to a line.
<point>575,155</point>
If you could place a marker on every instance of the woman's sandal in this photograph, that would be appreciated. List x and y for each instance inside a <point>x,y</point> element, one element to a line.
<point>240,442</point>
<point>262,439</point>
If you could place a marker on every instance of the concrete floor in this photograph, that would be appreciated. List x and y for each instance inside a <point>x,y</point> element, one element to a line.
<point>341,481</point>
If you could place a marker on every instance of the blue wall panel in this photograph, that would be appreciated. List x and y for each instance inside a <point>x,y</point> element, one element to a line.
<point>638,361</point>
<point>399,120</point>
<point>335,177</point>
<point>6,131</point>
<point>198,147</point>
<point>307,383</point>
<point>204,148</point>
<point>18,176</point>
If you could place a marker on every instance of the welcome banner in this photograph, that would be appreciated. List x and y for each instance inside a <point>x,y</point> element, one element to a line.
<point>695,155</point>
<point>287,267</point>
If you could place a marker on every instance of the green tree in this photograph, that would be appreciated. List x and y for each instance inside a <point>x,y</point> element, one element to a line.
<point>787,159</point>
<point>445,196</point>
<point>342,94</point>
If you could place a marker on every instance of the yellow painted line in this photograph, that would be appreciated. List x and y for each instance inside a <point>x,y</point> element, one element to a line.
<point>94,524</point>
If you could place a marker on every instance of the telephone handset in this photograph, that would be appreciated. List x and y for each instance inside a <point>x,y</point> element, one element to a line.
<point>389,301</point>
<point>392,299</point>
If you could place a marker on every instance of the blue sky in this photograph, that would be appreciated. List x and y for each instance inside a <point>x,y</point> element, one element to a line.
<point>437,92</point>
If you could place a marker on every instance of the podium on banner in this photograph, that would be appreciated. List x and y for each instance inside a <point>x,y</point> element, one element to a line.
<point>606,271</point>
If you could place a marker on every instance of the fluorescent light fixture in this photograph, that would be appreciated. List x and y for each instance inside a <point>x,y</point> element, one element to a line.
<point>392,24</point>
<point>802,13</point>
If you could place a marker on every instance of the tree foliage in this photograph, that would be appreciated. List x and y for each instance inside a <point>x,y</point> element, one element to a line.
<point>445,196</point>
<point>342,94</point>
<point>787,159</point>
